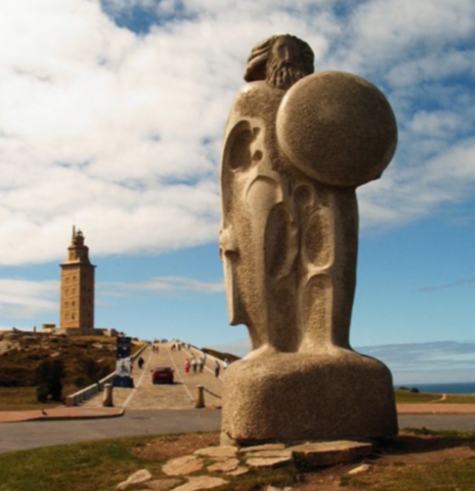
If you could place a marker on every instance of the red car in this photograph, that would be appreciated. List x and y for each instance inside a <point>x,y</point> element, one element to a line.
<point>162,375</point>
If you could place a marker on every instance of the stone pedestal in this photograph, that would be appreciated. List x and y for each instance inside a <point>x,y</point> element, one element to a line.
<point>295,397</point>
<point>200,398</point>
<point>107,400</point>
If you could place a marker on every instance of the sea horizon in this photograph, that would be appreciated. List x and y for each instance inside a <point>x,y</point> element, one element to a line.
<point>443,388</point>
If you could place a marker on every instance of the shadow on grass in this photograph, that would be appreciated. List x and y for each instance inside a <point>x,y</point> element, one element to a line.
<point>422,440</point>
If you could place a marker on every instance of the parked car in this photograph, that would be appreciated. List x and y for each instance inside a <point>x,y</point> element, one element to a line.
<point>162,375</point>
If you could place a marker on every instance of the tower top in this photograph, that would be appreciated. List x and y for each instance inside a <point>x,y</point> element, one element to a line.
<point>78,252</point>
<point>77,238</point>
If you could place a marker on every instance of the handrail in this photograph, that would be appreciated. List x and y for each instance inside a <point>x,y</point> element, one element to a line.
<point>84,394</point>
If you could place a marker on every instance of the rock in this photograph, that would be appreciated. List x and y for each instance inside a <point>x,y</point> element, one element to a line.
<point>162,484</point>
<point>201,482</point>
<point>330,453</point>
<point>183,465</point>
<point>224,466</point>
<point>266,446</point>
<point>222,452</point>
<point>270,453</point>
<point>359,470</point>
<point>268,462</point>
<point>238,472</point>
<point>226,441</point>
<point>136,478</point>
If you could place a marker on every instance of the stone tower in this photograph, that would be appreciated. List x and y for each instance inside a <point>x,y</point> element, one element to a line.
<point>77,286</point>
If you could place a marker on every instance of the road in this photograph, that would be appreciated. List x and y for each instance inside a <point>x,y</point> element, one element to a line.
<point>180,395</point>
<point>161,409</point>
<point>34,434</point>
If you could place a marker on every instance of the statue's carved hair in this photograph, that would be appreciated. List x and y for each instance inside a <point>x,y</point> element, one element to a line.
<point>257,61</point>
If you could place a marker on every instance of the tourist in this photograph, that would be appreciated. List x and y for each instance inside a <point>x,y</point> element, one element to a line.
<point>187,366</point>
<point>217,368</point>
<point>202,362</point>
<point>225,364</point>
<point>194,362</point>
<point>141,362</point>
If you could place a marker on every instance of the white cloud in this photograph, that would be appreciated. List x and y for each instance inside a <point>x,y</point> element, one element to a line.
<point>28,299</point>
<point>240,347</point>
<point>436,362</point>
<point>23,298</point>
<point>120,132</point>
<point>387,28</point>
<point>163,284</point>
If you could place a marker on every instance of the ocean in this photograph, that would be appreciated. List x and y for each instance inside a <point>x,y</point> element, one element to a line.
<point>458,388</point>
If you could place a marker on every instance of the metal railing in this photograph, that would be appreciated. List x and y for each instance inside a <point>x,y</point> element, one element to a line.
<point>85,394</point>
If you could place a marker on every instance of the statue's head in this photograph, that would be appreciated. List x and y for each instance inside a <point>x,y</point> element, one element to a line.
<point>279,60</point>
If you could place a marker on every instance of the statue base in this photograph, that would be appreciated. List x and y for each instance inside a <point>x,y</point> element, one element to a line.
<point>293,397</point>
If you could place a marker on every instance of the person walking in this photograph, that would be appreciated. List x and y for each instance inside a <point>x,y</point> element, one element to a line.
<point>225,364</point>
<point>194,362</point>
<point>141,362</point>
<point>217,368</point>
<point>187,366</point>
<point>202,362</point>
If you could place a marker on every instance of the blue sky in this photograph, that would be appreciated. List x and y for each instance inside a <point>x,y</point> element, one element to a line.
<point>111,118</point>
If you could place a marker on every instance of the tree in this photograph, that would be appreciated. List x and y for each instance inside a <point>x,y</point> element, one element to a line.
<point>48,376</point>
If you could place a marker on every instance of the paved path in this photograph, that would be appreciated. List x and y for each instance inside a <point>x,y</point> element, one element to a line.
<point>436,409</point>
<point>180,395</point>
<point>458,422</point>
<point>60,413</point>
<point>34,434</point>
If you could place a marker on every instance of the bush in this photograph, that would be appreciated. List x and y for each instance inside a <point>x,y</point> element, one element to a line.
<point>42,393</point>
<point>49,375</point>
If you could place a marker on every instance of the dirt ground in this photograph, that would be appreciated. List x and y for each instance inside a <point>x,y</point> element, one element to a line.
<point>404,450</point>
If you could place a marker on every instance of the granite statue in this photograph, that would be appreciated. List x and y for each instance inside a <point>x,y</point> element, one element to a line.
<point>297,145</point>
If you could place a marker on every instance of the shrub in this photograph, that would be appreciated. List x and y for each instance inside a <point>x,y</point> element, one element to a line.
<point>49,374</point>
<point>42,393</point>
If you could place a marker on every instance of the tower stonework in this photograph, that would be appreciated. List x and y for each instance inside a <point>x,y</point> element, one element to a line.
<point>77,286</point>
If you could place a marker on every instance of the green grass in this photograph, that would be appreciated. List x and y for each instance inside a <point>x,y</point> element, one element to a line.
<point>405,396</point>
<point>78,467</point>
<point>447,475</point>
<point>459,399</point>
<point>440,476</point>
<point>21,399</point>
<point>102,465</point>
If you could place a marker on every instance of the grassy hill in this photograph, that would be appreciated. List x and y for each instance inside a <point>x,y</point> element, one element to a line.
<point>221,356</point>
<point>85,359</point>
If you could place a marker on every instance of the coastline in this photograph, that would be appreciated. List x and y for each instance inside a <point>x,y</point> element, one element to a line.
<point>465,388</point>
